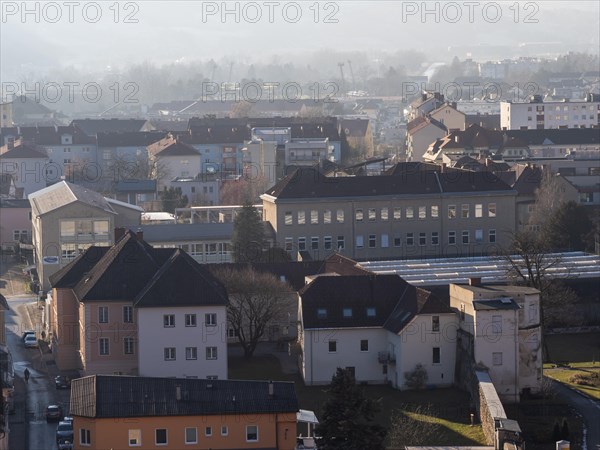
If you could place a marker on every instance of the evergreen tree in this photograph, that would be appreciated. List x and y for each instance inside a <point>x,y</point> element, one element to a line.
<point>347,422</point>
<point>568,227</point>
<point>171,198</point>
<point>248,235</point>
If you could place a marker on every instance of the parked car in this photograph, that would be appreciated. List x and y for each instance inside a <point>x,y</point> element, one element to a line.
<point>53,413</point>
<point>64,430</point>
<point>65,444</point>
<point>31,341</point>
<point>27,333</point>
<point>61,382</point>
<point>68,419</point>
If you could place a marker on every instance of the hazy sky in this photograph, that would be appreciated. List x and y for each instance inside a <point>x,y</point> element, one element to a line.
<point>166,31</point>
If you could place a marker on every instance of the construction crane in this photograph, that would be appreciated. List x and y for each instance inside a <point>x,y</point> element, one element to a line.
<point>352,75</point>
<point>341,65</point>
<point>230,70</point>
<point>212,74</point>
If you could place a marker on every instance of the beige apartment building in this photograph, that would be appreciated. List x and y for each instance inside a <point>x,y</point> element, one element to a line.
<point>67,219</point>
<point>414,210</point>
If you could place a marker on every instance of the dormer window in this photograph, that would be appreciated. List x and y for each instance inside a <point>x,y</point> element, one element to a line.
<point>347,313</point>
<point>371,312</point>
<point>322,313</point>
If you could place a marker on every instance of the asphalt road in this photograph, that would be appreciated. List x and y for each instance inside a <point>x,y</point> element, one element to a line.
<point>34,433</point>
<point>588,408</point>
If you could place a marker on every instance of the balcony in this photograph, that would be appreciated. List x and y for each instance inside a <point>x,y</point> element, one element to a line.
<point>386,357</point>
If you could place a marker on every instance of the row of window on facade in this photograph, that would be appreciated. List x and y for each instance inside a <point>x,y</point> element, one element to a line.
<point>383,214</point>
<point>161,435</point>
<point>410,239</point>
<point>169,353</point>
<point>20,235</point>
<point>190,320</point>
<point>85,230</point>
<point>332,346</point>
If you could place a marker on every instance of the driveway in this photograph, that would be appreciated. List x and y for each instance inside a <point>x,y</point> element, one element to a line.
<point>588,408</point>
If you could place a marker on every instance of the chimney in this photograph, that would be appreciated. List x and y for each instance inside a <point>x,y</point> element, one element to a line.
<point>178,392</point>
<point>10,144</point>
<point>139,234</point>
<point>119,233</point>
<point>443,168</point>
<point>475,281</point>
<point>271,389</point>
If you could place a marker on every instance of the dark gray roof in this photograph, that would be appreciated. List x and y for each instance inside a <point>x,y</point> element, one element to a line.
<point>93,126</point>
<point>136,186</point>
<point>408,179</point>
<point>395,301</point>
<point>14,203</point>
<point>129,138</point>
<point>181,281</point>
<point>25,150</point>
<point>557,136</point>
<point>106,396</point>
<point>122,272</point>
<point>69,275</point>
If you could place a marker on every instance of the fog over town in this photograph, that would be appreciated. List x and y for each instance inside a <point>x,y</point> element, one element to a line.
<point>299,225</point>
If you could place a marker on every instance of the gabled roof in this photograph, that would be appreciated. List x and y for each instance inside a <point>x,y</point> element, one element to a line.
<point>395,302</point>
<point>122,272</point>
<point>181,281</point>
<point>52,135</point>
<point>64,193</point>
<point>109,396</point>
<point>417,125</point>
<point>91,127</point>
<point>529,181</point>
<point>23,150</point>
<point>444,106</point>
<point>69,275</point>
<point>354,127</point>
<point>171,147</point>
<point>129,138</point>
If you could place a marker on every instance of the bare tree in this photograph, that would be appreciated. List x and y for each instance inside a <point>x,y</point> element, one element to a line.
<point>549,197</point>
<point>256,301</point>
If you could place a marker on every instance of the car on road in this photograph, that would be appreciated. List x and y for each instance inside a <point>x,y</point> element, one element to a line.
<point>53,413</point>
<point>27,333</point>
<point>64,430</point>
<point>31,341</point>
<point>61,382</point>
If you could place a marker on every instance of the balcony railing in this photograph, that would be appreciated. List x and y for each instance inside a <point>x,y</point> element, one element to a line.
<point>386,357</point>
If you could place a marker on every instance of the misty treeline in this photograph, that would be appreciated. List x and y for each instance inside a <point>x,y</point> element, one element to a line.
<point>380,74</point>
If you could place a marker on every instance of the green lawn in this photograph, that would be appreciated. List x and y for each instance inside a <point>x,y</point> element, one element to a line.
<point>450,405</point>
<point>566,376</point>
